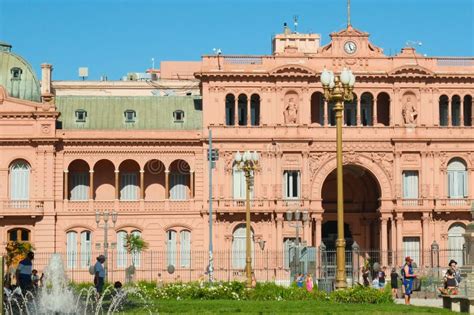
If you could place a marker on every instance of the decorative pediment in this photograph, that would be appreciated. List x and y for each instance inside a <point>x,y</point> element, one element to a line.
<point>349,32</point>
<point>292,70</point>
<point>412,71</point>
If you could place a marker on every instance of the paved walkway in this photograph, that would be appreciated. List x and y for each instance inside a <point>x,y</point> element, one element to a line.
<point>423,302</point>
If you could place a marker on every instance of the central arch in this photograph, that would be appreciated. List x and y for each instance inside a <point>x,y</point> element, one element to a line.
<point>362,193</point>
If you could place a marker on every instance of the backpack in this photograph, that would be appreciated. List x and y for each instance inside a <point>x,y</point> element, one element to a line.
<point>402,272</point>
<point>92,270</point>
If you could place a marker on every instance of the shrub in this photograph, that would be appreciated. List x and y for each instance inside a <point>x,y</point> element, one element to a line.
<point>361,294</point>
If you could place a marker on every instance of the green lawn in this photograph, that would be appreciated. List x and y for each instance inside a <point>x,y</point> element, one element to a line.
<point>280,307</point>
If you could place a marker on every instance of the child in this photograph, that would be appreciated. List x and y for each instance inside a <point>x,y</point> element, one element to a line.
<point>309,283</point>
<point>35,278</point>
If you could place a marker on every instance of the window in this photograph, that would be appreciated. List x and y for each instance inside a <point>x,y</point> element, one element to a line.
<point>456,242</point>
<point>16,73</point>
<point>230,110</point>
<point>136,256</point>
<point>81,115</point>
<point>178,116</point>
<point>19,235</point>
<point>171,248</point>
<point>410,185</point>
<point>178,187</point>
<point>457,179</point>
<point>128,186</point>
<point>71,249</point>
<point>255,110</point>
<point>121,249</point>
<point>291,184</point>
<point>239,247</point>
<point>20,181</point>
<point>79,185</point>
<point>185,248</point>
<point>86,249</point>
<point>130,116</point>
<point>443,110</point>
<point>411,247</point>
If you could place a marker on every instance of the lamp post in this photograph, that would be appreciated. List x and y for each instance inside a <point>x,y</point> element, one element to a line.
<point>296,218</point>
<point>105,216</point>
<point>248,163</point>
<point>338,89</point>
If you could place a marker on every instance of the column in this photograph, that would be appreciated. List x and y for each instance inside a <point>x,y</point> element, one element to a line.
<point>374,112</point>
<point>399,220</point>
<point>66,184</point>
<point>236,111</point>
<point>91,185</point>
<point>307,232</point>
<point>426,242</point>
<point>167,184</point>
<point>279,238</point>
<point>384,240</point>
<point>142,184</point>
<point>248,111</point>
<point>393,246</point>
<point>358,113</point>
<point>461,112</point>
<point>191,184</point>
<point>325,112</point>
<point>317,231</point>
<point>117,184</point>
<point>449,113</point>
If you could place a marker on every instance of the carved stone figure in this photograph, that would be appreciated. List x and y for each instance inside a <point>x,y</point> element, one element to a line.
<point>409,112</point>
<point>291,112</point>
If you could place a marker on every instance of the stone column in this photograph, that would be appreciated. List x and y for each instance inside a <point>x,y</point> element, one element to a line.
<point>279,238</point>
<point>374,112</point>
<point>399,220</point>
<point>393,239</point>
<point>91,185</point>
<point>248,112</point>
<point>167,184</point>
<point>142,184</point>
<point>325,112</point>
<point>236,111</point>
<point>461,112</point>
<point>384,240</point>
<point>426,242</point>
<point>317,230</point>
<point>449,113</point>
<point>66,184</point>
<point>191,184</point>
<point>307,232</point>
<point>117,184</point>
<point>358,117</point>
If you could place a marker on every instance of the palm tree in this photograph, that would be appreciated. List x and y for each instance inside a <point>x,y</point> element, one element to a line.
<point>134,244</point>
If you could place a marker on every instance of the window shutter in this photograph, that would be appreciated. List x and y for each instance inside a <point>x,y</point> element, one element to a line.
<point>71,248</point>
<point>185,248</point>
<point>129,186</point>
<point>136,256</point>
<point>121,250</point>
<point>20,181</point>
<point>171,248</point>
<point>86,249</point>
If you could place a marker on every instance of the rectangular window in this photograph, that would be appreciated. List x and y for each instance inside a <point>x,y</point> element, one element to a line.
<point>178,187</point>
<point>130,116</point>
<point>71,248</point>
<point>171,248</point>
<point>79,185</point>
<point>81,115</point>
<point>121,250</point>
<point>129,186</point>
<point>411,247</point>
<point>178,116</point>
<point>410,184</point>
<point>86,249</point>
<point>291,184</point>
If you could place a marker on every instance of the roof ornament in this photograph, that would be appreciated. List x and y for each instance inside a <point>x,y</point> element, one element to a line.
<point>348,13</point>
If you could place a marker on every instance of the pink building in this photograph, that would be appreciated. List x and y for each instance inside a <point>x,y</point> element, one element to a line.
<point>68,151</point>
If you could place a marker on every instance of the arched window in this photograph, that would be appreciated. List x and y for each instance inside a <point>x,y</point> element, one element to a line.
<point>242,110</point>
<point>121,250</point>
<point>239,184</point>
<point>366,109</point>
<point>71,249</point>
<point>239,247</point>
<point>468,117</point>
<point>129,186</point>
<point>185,248</point>
<point>86,249</point>
<point>20,181</point>
<point>79,185</point>
<point>350,112</point>
<point>255,110</point>
<point>443,110</point>
<point>19,235</point>
<point>230,110</point>
<point>383,109</point>
<point>456,242</point>
<point>456,111</point>
<point>317,108</point>
<point>136,256</point>
<point>171,248</point>
<point>457,179</point>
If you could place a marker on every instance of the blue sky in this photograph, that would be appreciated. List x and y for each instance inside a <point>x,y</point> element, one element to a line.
<point>114,37</point>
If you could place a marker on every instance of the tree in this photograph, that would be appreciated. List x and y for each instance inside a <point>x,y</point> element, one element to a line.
<point>16,252</point>
<point>134,244</point>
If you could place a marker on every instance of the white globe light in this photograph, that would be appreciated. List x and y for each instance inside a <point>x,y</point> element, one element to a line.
<point>247,156</point>
<point>332,84</point>
<point>238,157</point>
<point>255,156</point>
<point>345,76</point>
<point>352,80</point>
<point>325,77</point>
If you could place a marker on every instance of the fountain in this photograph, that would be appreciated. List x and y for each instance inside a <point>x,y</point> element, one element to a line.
<point>57,297</point>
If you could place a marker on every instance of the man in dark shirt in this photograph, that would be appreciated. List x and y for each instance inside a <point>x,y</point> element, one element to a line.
<point>23,273</point>
<point>381,277</point>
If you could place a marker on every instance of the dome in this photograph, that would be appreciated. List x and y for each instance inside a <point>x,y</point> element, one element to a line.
<point>17,76</point>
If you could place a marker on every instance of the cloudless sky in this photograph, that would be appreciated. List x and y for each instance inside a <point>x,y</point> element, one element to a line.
<point>114,37</point>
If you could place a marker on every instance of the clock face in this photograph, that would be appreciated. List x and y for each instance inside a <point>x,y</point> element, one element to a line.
<point>350,47</point>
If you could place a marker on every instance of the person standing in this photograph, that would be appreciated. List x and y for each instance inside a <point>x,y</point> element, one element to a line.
<point>408,278</point>
<point>300,280</point>
<point>394,282</point>
<point>23,273</point>
<point>99,274</point>
<point>453,266</point>
<point>309,283</point>
<point>381,276</point>
<point>365,276</point>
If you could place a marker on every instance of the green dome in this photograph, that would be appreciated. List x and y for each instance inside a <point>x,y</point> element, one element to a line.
<point>17,76</point>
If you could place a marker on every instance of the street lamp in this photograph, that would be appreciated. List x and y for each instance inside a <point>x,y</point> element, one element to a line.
<point>294,219</point>
<point>338,89</point>
<point>248,163</point>
<point>105,216</point>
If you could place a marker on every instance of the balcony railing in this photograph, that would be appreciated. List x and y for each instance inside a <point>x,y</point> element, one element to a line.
<point>21,207</point>
<point>128,205</point>
<point>460,203</point>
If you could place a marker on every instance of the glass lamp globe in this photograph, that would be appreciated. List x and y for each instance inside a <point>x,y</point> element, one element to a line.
<point>238,157</point>
<point>345,76</point>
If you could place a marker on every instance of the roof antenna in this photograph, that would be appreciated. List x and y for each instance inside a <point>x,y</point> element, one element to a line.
<point>295,23</point>
<point>348,13</point>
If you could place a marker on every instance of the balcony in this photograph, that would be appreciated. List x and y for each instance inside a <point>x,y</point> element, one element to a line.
<point>17,208</point>
<point>460,204</point>
<point>416,204</point>
<point>130,206</point>
<point>258,205</point>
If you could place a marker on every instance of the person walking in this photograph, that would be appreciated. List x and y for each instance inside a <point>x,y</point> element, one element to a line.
<point>24,272</point>
<point>99,274</point>
<point>394,276</point>
<point>408,278</point>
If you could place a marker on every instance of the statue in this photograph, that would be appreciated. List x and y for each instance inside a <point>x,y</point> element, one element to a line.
<point>291,112</point>
<point>409,112</point>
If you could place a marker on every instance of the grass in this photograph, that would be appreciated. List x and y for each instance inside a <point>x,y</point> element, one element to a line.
<point>279,307</point>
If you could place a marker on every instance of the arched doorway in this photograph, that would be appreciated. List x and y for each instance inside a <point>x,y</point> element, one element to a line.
<point>361,201</point>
